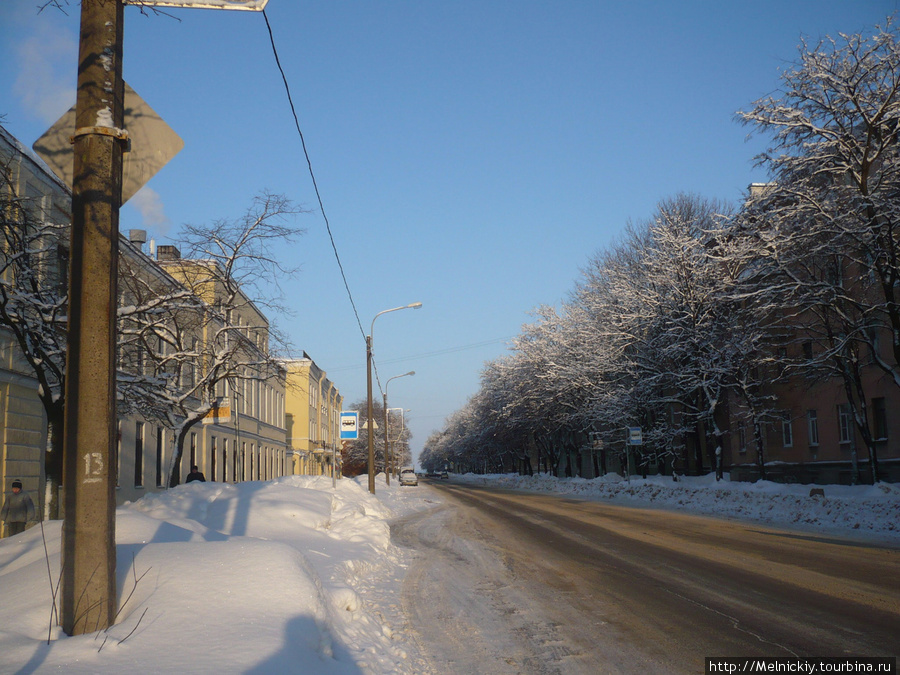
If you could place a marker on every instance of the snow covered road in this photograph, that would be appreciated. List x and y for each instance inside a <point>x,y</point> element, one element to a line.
<point>473,607</point>
<point>503,583</point>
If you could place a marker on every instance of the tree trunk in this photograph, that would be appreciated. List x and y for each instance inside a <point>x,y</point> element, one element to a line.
<point>856,397</point>
<point>760,450</point>
<point>700,449</point>
<point>175,476</point>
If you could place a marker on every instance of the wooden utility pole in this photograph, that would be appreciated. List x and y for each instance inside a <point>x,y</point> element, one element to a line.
<point>88,599</point>
<point>387,447</point>
<point>370,426</point>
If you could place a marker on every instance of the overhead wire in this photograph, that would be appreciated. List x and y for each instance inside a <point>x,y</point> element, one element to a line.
<point>425,355</point>
<point>312,175</point>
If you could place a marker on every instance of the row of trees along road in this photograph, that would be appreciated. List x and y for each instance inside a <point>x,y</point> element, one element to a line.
<point>183,338</point>
<point>703,302</point>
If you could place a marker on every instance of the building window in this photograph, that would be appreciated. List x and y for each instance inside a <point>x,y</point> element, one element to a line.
<point>874,344</point>
<point>212,460</point>
<point>118,457</point>
<point>879,419</point>
<point>138,454</point>
<point>807,351</point>
<point>845,423</point>
<point>235,457</point>
<point>62,265</point>
<point>742,438</point>
<point>224,460</point>
<point>195,359</point>
<point>835,272</point>
<point>159,456</point>
<point>193,450</point>
<point>787,431</point>
<point>243,455</point>
<point>812,426</point>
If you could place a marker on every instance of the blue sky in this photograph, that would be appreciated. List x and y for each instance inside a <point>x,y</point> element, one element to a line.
<point>471,155</point>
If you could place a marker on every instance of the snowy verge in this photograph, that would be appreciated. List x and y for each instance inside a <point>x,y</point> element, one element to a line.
<point>256,577</point>
<point>295,576</point>
<point>871,512</point>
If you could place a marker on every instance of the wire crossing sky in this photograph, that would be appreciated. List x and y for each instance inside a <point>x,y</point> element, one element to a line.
<point>469,155</point>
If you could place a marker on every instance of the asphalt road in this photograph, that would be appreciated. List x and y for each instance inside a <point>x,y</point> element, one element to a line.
<point>506,582</point>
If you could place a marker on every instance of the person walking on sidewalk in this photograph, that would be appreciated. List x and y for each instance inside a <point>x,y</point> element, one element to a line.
<point>17,510</point>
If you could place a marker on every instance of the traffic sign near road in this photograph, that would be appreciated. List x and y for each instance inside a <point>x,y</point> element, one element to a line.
<point>349,425</point>
<point>152,145</point>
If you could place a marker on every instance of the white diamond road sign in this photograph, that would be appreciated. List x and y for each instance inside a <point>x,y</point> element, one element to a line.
<point>153,144</point>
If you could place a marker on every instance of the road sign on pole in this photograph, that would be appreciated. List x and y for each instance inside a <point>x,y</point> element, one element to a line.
<point>152,144</point>
<point>349,426</point>
<point>635,436</point>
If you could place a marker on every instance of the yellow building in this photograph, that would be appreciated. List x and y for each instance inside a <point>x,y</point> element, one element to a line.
<point>248,440</point>
<point>313,409</point>
<point>30,194</point>
<point>243,436</point>
<point>249,443</point>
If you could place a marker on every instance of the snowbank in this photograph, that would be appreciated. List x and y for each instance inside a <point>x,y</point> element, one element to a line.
<point>867,511</point>
<point>293,576</point>
<point>257,577</point>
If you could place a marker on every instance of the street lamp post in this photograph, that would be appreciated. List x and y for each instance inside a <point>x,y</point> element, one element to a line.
<point>387,464</point>
<point>400,435</point>
<point>370,412</point>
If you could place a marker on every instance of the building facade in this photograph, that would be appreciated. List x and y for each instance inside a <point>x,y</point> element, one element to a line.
<point>813,436</point>
<point>240,433</point>
<point>313,409</point>
<point>30,194</point>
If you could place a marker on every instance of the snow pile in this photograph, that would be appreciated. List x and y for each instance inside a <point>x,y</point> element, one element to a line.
<point>294,576</point>
<point>257,577</point>
<point>870,511</point>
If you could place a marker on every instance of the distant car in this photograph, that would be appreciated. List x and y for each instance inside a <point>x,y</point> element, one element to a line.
<point>444,475</point>
<point>408,476</point>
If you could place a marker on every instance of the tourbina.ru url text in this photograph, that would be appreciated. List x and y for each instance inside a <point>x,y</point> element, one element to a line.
<point>752,664</point>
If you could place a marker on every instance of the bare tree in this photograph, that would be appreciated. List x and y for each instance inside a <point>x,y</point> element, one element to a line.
<point>200,335</point>
<point>355,455</point>
<point>399,436</point>
<point>33,308</point>
<point>827,224</point>
<point>654,335</point>
<point>667,339</point>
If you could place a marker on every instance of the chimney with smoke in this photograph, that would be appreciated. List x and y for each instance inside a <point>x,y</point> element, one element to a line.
<point>138,237</point>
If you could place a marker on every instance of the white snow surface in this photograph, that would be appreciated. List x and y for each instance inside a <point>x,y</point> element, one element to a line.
<point>868,512</point>
<point>294,576</point>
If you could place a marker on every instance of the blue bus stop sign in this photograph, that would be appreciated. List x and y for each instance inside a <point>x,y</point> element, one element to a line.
<point>349,426</point>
